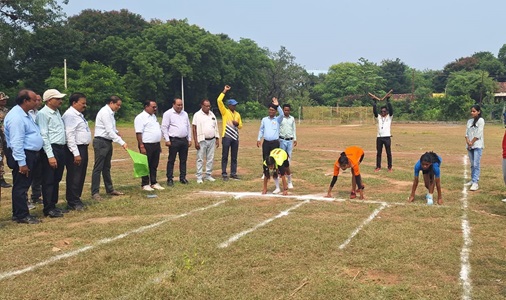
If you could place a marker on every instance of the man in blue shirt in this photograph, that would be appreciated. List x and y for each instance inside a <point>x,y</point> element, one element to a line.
<point>23,145</point>
<point>269,130</point>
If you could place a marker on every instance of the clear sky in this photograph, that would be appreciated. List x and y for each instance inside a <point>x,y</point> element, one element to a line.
<point>424,34</point>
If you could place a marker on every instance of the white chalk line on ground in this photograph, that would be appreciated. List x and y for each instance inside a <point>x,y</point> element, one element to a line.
<point>306,199</point>
<point>367,221</point>
<point>245,232</point>
<point>465,269</point>
<point>141,229</point>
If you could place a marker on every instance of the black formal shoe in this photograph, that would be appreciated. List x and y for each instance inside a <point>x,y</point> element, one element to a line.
<point>77,207</point>
<point>4,184</point>
<point>54,213</point>
<point>62,210</point>
<point>183,181</point>
<point>170,182</point>
<point>28,220</point>
<point>235,177</point>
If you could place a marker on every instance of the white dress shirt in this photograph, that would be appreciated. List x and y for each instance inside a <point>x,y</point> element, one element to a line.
<point>149,127</point>
<point>105,125</point>
<point>77,130</point>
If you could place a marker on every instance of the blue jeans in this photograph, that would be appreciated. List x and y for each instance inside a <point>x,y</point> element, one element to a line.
<point>475,158</point>
<point>287,146</point>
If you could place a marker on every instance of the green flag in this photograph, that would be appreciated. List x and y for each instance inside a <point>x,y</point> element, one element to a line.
<point>141,167</point>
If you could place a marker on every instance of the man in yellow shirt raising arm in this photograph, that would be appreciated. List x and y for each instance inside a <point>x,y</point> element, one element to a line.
<point>230,134</point>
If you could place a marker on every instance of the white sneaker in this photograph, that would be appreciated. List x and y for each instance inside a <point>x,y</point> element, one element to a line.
<point>210,178</point>
<point>468,183</point>
<point>199,180</point>
<point>290,185</point>
<point>263,176</point>
<point>147,188</point>
<point>157,186</point>
<point>474,187</point>
<point>276,191</point>
<point>503,200</point>
<point>429,199</point>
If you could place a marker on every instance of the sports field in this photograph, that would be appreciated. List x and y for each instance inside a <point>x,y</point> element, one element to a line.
<point>223,240</point>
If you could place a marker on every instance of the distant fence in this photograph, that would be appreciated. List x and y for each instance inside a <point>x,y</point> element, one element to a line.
<point>337,115</point>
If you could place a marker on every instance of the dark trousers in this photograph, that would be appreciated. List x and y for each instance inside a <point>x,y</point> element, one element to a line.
<point>103,155</point>
<point>76,174</point>
<point>51,177</point>
<point>268,146</point>
<point>21,183</point>
<point>380,141</point>
<point>229,144</point>
<point>37,182</point>
<point>153,151</point>
<point>178,145</point>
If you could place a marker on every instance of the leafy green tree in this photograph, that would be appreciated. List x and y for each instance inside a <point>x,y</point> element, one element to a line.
<point>17,19</point>
<point>97,26</point>
<point>285,78</point>
<point>36,61</point>
<point>350,79</point>
<point>98,83</point>
<point>396,78</point>
<point>475,84</point>
<point>502,55</point>
<point>488,62</point>
<point>244,65</point>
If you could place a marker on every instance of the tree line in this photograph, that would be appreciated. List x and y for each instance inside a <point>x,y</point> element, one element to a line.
<point>119,52</point>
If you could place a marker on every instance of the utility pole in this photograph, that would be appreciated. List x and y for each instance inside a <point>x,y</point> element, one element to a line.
<point>413,85</point>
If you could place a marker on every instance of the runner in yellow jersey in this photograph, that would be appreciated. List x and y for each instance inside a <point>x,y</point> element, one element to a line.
<point>277,162</point>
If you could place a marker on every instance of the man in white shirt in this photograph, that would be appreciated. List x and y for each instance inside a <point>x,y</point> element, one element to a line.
<point>177,134</point>
<point>383,138</point>
<point>206,135</point>
<point>149,135</point>
<point>78,136</point>
<point>105,134</point>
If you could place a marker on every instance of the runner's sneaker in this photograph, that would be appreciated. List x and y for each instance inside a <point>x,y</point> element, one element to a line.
<point>210,178</point>
<point>157,186</point>
<point>290,185</point>
<point>468,183</point>
<point>474,186</point>
<point>276,191</point>
<point>199,180</point>
<point>353,195</point>
<point>147,188</point>
<point>503,200</point>
<point>429,199</point>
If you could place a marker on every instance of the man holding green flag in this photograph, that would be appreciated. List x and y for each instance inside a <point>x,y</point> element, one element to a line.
<point>149,135</point>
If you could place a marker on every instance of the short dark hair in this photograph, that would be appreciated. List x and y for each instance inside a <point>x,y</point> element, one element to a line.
<point>148,102</point>
<point>273,106</point>
<point>113,99</point>
<point>22,96</point>
<point>287,105</point>
<point>204,100</point>
<point>75,97</point>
